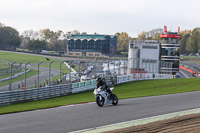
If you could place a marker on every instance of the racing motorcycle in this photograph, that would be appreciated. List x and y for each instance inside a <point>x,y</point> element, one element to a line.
<point>103,97</point>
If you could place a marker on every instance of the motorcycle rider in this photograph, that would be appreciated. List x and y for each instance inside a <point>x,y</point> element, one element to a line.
<point>100,83</point>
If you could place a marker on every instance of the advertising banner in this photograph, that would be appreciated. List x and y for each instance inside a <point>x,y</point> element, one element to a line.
<point>83,86</point>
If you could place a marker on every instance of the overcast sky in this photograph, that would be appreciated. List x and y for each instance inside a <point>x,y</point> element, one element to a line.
<point>101,16</point>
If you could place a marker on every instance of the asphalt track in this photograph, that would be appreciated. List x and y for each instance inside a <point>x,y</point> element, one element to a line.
<point>78,117</point>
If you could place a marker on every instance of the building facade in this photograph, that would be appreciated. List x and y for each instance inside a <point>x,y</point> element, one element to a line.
<point>144,57</point>
<point>161,56</point>
<point>91,45</point>
<point>170,50</point>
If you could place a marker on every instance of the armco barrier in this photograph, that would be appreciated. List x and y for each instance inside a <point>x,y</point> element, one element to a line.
<point>17,96</point>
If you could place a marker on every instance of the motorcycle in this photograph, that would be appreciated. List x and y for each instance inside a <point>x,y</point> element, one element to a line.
<point>103,97</point>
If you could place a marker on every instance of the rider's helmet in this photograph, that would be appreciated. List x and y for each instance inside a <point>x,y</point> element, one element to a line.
<point>98,80</point>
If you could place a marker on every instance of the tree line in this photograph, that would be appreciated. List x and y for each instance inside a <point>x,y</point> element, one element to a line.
<point>43,40</point>
<point>32,40</point>
<point>190,42</point>
<point>47,39</point>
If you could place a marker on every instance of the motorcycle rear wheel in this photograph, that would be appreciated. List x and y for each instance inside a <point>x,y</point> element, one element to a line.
<point>115,99</point>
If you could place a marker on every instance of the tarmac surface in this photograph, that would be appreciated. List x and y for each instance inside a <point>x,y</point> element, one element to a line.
<point>89,116</point>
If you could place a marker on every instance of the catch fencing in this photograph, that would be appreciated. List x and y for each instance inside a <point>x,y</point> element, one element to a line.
<point>18,96</point>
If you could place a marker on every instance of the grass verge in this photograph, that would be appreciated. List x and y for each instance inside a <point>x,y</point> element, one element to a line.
<point>128,90</point>
<point>34,59</point>
<point>32,73</point>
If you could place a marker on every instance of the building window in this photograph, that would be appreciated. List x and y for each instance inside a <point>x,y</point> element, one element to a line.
<point>150,47</point>
<point>131,45</point>
<point>170,52</point>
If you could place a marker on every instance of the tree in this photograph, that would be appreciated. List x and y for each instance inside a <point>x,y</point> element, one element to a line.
<point>36,45</point>
<point>195,38</point>
<point>142,36</point>
<point>188,47</point>
<point>193,41</point>
<point>155,33</point>
<point>183,43</point>
<point>47,34</point>
<point>9,37</point>
<point>122,42</point>
<point>30,35</point>
<point>1,25</point>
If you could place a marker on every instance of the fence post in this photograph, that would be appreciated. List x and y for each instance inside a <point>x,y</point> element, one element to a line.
<point>50,72</point>
<point>38,73</point>
<point>10,84</point>
<point>60,69</point>
<point>25,75</point>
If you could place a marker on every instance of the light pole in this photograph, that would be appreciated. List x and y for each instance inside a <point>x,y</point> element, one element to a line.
<point>25,75</point>
<point>50,72</point>
<point>95,70</point>
<point>114,67</point>
<point>119,66</point>
<point>79,69</point>
<point>60,69</point>
<point>171,65</point>
<point>10,84</point>
<point>129,64</point>
<point>39,72</point>
<point>124,66</point>
<point>70,71</point>
<point>149,65</point>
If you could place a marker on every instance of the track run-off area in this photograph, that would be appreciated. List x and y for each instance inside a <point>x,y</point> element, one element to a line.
<point>84,116</point>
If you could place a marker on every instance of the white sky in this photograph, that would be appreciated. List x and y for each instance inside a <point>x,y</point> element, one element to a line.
<point>101,16</point>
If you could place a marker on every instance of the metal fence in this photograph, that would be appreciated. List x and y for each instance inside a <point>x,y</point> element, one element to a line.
<point>84,70</point>
<point>142,65</point>
<point>17,96</point>
<point>6,67</point>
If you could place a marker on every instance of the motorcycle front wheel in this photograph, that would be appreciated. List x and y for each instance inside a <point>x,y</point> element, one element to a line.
<point>115,99</point>
<point>100,101</point>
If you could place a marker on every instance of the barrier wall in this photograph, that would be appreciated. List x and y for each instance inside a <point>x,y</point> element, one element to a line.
<point>83,86</point>
<point>17,96</point>
<point>189,70</point>
<point>142,76</point>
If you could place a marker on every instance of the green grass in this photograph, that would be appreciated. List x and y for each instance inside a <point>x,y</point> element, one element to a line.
<point>32,72</point>
<point>124,53</point>
<point>4,66</point>
<point>128,90</point>
<point>13,73</point>
<point>24,58</point>
<point>189,57</point>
